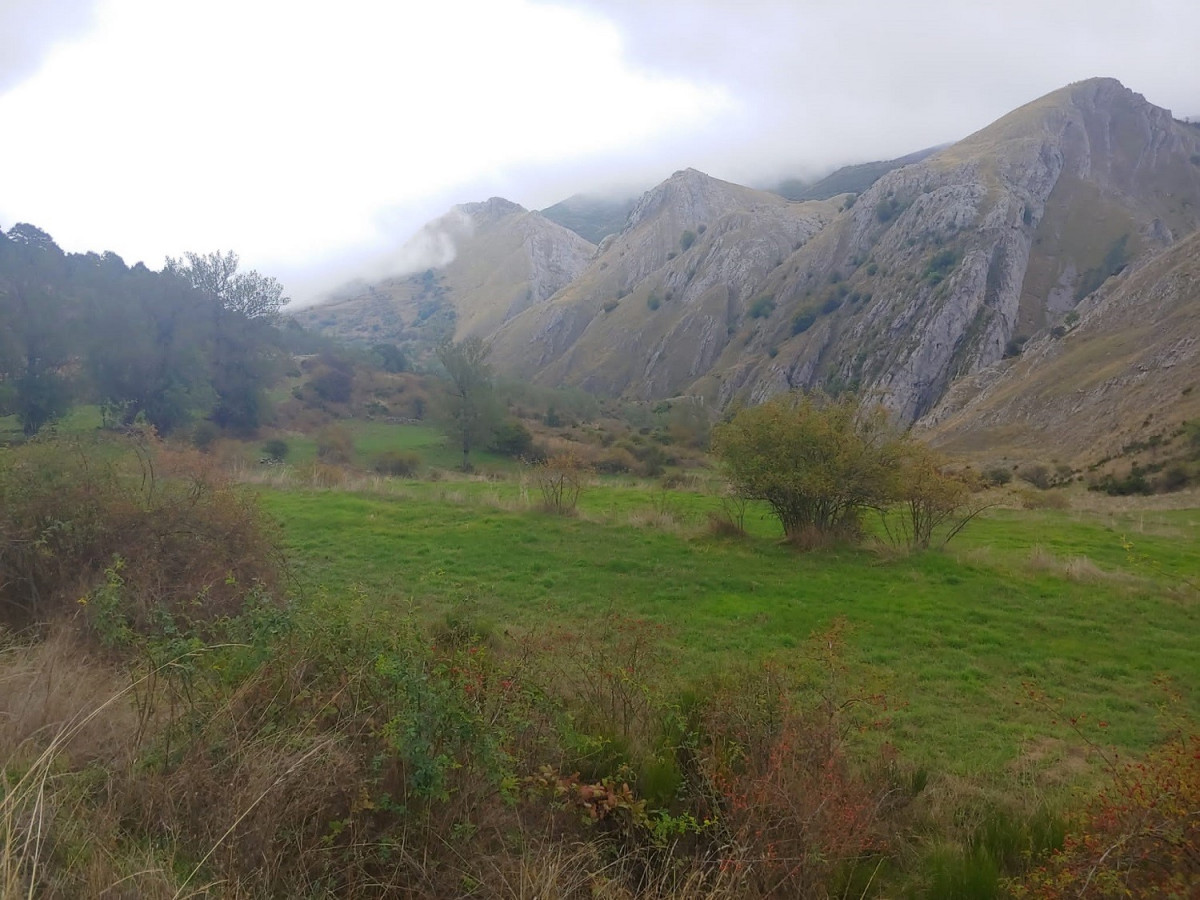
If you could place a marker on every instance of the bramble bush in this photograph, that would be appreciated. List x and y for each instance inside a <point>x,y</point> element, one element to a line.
<point>561,480</point>
<point>192,545</point>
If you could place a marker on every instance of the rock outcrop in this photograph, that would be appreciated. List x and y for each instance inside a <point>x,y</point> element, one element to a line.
<point>1125,367</point>
<point>940,268</point>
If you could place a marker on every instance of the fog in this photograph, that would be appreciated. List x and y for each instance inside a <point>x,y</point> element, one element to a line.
<point>317,140</point>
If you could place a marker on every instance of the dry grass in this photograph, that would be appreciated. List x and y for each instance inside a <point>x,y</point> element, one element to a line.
<point>68,721</point>
<point>1075,568</point>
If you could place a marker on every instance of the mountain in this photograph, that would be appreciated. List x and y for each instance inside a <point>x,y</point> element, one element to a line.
<point>848,179</point>
<point>937,271</point>
<point>1124,374</point>
<point>660,302</point>
<point>483,263</point>
<point>592,218</point>
<point>933,272</point>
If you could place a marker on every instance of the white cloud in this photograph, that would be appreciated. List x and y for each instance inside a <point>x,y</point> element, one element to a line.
<point>314,138</point>
<point>286,129</point>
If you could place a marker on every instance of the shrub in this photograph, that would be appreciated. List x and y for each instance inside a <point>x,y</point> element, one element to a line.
<point>560,480</point>
<point>802,322</point>
<point>997,476</point>
<point>160,530</point>
<point>1015,346</point>
<point>687,239</point>
<point>1138,838</point>
<point>652,457</point>
<point>398,464</point>
<point>333,385</point>
<point>1040,476</point>
<point>511,438</point>
<point>731,520</point>
<point>930,498</point>
<point>796,812</point>
<point>1134,482</point>
<point>652,302</point>
<point>276,448</point>
<point>940,264</point>
<point>616,461</point>
<point>818,463</point>
<point>831,304</point>
<point>204,435</point>
<point>762,307</point>
<point>1175,477</point>
<point>1044,499</point>
<point>335,445</point>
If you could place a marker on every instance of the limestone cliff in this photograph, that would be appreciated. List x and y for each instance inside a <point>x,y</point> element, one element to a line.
<point>1125,367</point>
<point>941,267</point>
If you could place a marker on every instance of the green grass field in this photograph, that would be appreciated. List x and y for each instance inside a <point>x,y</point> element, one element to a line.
<point>373,438</point>
<point>1090,609</point>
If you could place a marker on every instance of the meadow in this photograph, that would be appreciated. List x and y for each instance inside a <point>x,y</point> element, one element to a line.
<point>1090,609</point>
<point>632,699</point>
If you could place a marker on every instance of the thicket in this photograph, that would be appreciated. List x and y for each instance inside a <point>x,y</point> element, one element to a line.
<point>186,728</point>
<point>75,515</point>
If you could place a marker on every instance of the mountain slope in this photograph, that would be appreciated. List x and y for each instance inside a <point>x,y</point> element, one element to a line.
<point>939,269</point>
<point>660,301</point>
<point>940,266</point>
<point>849,179</point>
<point>490,261</point>
<point>1129,368</point>
<point>592,218</point>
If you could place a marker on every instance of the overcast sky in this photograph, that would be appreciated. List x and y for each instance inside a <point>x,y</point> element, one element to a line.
<point>315,137</point>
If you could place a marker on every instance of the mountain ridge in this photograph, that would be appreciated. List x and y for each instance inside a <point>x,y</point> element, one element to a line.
<point>937,271</point>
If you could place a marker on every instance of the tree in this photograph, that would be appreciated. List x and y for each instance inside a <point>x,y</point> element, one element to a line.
<point>391,358</point>
<point>469,411</point>
<point>146,347</point>
<point>37,324</point>
<point>244,306</point>
<point>818,463</point>
<point>252,295</point>
<point>930,498</point>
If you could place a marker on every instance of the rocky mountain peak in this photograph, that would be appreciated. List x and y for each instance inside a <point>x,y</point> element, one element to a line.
<point>691,198</point>
<point>491,210</point>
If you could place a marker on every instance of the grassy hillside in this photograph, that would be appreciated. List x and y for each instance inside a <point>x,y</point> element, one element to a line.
<point>592,218</point>
<point>1116,381</point>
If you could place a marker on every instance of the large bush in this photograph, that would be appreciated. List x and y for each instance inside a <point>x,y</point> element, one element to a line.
<point>819,463</point>
<point>158,527</point>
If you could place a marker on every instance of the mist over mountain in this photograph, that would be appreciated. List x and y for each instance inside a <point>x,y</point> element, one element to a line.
<point>593,218</point>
